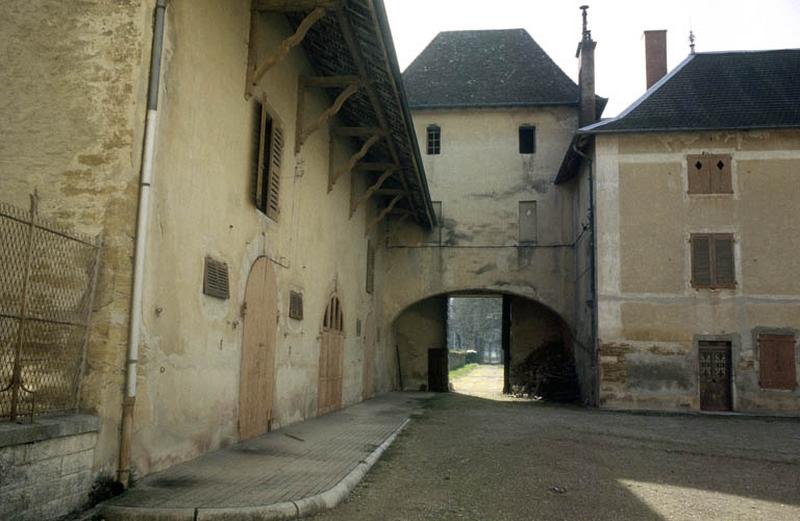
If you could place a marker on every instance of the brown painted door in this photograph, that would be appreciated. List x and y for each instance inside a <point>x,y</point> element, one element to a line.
<point>368,377</point>
<point>715,376</point>
<point>331,358</point>
<point>260,324</point>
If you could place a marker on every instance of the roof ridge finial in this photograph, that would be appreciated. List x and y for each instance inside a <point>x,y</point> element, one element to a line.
<point>587,34</point>
<point>691,41</point>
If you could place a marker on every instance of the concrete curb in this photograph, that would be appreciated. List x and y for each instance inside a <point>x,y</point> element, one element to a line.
<point>274,512</point>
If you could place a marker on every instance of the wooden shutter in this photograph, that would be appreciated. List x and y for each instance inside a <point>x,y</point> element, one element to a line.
<point>701,261</point>
<point>370,268</point>
<point>259,135</point>
<point>776,359</point>
<point>699,179</point>
<point>719,168</point>
<point>274,182</point>
<point>724,269</point>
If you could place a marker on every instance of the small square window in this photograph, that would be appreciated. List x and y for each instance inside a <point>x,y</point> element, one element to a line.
<point>434,140</point>
<point>527,139</point>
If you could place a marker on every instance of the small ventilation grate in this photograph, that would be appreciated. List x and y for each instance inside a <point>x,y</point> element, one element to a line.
<point>358,327</point>
<point>215,279</point>
<point>296,305</point>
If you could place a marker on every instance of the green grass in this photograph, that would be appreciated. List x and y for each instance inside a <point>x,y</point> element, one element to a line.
<point>462,371</point>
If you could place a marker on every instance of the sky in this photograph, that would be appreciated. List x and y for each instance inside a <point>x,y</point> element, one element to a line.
<point>616,25</point>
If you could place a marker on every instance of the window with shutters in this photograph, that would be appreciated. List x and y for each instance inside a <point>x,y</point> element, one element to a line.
<point>713,263</point>
<point>215,279</point>
<point>268,149</point>
<point>370,267</point>
<point>295,305</point>
<point>434,140</point>
<point>777,361</point>
<point>709,174</point>
<point>527,139</point>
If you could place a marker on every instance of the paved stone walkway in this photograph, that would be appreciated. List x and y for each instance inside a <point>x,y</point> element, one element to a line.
<point>279,469</point>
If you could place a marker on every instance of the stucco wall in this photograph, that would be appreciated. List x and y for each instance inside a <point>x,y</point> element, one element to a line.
<point>73,82</point>
<point>650,315</point>
<point>188,399</point>
<point>480,177</point>
<point>72,129</point>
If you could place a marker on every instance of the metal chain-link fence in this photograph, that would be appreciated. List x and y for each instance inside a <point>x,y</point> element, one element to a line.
<point>47,280</point>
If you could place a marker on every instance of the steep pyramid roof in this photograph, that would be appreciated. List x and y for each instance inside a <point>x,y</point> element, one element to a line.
<point>498,68</point>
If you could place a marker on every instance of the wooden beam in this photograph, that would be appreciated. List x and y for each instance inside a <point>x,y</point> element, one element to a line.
<point>287,45</point>
<point>331,81</point>
<point>371,190</point>
<point>383,213</point>
<point>355,158</point>
<point>375,167</point>
<point>358,59</point>
<point>359,131</point>
<point>303,134</point>
<point>287,6</point>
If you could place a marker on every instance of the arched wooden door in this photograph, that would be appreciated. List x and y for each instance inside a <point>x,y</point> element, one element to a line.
<point>368,376</point>
<point>260,324</point>
<point>331,358</point>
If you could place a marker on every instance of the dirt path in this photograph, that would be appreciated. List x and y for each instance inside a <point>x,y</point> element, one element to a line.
<point>485,381</point>
<point>470,458</point>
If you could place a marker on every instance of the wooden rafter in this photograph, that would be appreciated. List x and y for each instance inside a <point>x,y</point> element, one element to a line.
<point>327,114</point>
<point>358,59</point>
<point>286,6</point>
<point>257,72</point>
<point>384,213</point>
<point>371,190</point>
<point>355,158</point>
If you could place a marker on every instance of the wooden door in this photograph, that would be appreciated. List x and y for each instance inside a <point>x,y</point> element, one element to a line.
<point>260,324</point>
<point>438,381</point>
<point>368,375</point>
<point>331,358</point>
<point>715,376</point>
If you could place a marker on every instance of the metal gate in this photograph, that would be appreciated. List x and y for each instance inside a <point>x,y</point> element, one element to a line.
<point>47,281</point>
<point>715,376</point>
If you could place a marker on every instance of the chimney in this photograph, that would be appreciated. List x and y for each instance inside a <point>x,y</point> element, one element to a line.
<point>588,102</point>
<point>655,52</point>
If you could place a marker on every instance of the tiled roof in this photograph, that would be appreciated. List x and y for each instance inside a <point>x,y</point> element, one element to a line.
<point>486,69</point>
<point>718,91</point>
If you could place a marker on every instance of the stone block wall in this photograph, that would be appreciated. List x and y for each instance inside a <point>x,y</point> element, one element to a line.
<point>46,467</point>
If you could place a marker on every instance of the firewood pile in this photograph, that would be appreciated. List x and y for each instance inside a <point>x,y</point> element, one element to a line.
<point>548,373</point>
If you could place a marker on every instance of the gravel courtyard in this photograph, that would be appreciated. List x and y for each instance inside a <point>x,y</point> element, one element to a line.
<point>477,458</point>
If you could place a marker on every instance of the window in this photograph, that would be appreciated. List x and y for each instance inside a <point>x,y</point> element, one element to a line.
<point>528,232</point>
<point>434,140</point>
<point>776,361</point>
<point>370,268</point>
<point>268,138</point>
<point>527,139</point>
<point>709,174</point>
<point>295,305</point>
<point>713,260</point>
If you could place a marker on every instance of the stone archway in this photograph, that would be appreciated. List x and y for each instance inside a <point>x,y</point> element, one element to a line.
<point>538,343</point>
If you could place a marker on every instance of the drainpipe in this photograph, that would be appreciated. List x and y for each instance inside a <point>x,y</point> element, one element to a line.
<point>592,273</point>
<point>143,221</point>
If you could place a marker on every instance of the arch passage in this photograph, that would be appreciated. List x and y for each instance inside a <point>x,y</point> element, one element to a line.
<point>331,358</point>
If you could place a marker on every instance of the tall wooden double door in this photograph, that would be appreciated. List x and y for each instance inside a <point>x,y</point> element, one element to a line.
<point>331,358</point>
<point>259,328</point>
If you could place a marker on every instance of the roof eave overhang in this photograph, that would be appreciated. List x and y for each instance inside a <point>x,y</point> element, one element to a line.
<point>592,131</point>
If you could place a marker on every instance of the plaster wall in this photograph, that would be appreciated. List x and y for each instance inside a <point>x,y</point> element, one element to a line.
<point>480,177</point>
<point>74,79</point>
<point>188,399</point>
<point>73,131</point>
<point>650,316</point>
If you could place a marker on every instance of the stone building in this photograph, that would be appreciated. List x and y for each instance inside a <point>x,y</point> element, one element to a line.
<point>277,143</point>
<point>698,299</point>
<point>494,115</point>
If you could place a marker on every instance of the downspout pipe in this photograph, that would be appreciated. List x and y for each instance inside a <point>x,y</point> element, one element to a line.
<point>142,226</point>
<point>592,273</point>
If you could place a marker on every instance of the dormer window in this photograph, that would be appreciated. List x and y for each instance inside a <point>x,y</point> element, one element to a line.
<point>434,140</point>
